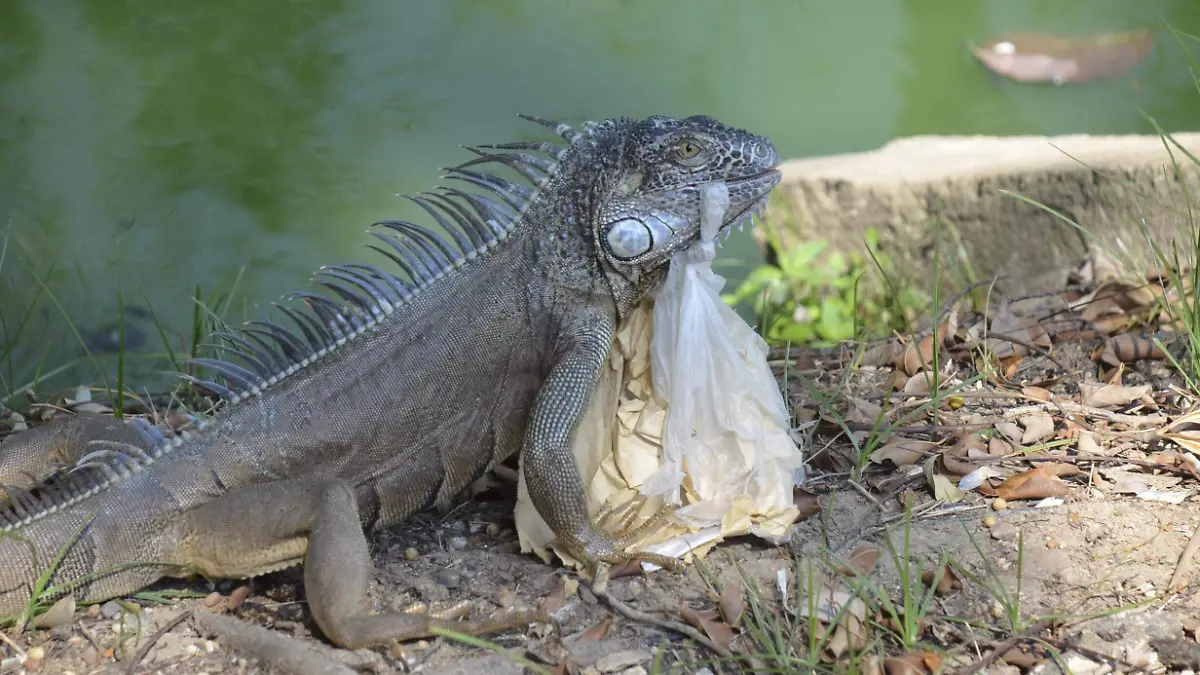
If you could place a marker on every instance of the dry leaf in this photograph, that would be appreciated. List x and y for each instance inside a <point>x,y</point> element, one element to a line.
<point>863,560</point>
<point>945,490</point>
<point>946,584</point>
<point>1110,395</point>
<point>955,465</point>
<point>1040,57</point>
<point>1038,427</point>
<point>555,600</point>
<point>1037,394</point>
<point>1010,430</point>
<point>806,502</point>
<point>716,631</point>
<point>597,632</point>
<point>912,663</point>
<point>903,452</point>
<point>60,613</point>
<point>998,447</point>
<point>1037,483</point>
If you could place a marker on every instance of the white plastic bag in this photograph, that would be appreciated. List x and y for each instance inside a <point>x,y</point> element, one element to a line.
<point>727,427</point>
<point>687,413</point>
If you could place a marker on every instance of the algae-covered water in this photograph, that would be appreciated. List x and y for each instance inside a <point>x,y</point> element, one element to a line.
<point>155,146</point>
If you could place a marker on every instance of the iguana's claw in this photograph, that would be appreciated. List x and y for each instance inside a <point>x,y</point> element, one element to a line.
<point>607,543</point>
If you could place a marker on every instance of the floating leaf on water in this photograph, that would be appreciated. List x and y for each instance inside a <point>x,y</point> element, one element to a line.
<point>1039,57</point>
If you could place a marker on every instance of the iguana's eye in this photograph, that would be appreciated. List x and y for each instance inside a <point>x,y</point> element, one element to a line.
<point>688,151</point>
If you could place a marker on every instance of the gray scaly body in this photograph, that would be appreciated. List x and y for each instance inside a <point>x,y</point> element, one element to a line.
<point>401,391</point>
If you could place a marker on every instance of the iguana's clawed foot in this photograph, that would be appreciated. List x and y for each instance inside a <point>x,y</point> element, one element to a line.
<point>607,542</point>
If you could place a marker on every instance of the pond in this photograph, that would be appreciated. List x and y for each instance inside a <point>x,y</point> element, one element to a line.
<point>146,150</point>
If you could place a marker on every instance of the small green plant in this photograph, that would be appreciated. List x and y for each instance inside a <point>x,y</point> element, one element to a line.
<point>811,298</point>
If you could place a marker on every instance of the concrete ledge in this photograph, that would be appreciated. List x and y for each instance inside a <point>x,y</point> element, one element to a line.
<point>1104,183</point>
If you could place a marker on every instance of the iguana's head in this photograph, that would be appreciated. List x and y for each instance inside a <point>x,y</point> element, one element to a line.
<point>666,173</point>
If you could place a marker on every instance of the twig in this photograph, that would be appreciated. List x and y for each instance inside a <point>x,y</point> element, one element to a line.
<point>1003,647</point>
<point>1133,421</point>
<point>149,644</point>
<point>666,624</point>
<point>1185,561</point>
<point>864,492</point>
<point>939,513</point>
<point>1073,459</point>
<point>287,654</point>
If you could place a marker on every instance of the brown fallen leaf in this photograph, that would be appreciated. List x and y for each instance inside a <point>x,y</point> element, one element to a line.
<point>1037,394</point>
<point>1036,483</point>
<point>555,600</point>
<point>1059,469</point>
<point>903,452</point>
<point>1038,427</point>
<point>807,502</point>
<point>954,465</point>
<point>1039,57</point>
<point>912,663</point>
<point>1110,395</point>
<point>947,582</point>
<point>716,631</point>
<point>1009,430</point>
<point>597,632</point>
<point>863,560</point>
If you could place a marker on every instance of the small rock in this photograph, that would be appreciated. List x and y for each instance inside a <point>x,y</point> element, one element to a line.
<point>212,600</point>
<point>36,653</point>
<point>411,554</point>
<point>457,543</point>
<point>91,656</point>
<point>93,611</point>
<point>1003,531</point>
<point>493,529</point>
<point>448,578</point>
<point>110,609</point>
<point>429,591</point>
<point>62,631</point>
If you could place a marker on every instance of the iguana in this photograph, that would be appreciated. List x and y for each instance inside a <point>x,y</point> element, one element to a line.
<point>399,389</point>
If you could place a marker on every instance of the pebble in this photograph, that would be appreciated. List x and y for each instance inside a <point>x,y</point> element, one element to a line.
<point>411,554</point>
<point>110,609</point>
<point>1003,531</point>
<point>493,529</point>
<point>999,504</point>
<point>457,543</point>
<point>36,653</point>
<point>93,611</point>
<point>448,578</point>
<point>212,600</point>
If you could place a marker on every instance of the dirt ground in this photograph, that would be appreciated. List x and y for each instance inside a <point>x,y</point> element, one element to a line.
<point>1114,537</point>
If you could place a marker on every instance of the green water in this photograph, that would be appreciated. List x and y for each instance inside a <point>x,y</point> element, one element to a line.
<point>164,145</point>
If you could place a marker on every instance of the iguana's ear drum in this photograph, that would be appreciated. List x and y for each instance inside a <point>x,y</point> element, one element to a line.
<point>635,236</point>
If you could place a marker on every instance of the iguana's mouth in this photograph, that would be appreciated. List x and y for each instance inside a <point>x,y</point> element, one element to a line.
<point>756,208</point>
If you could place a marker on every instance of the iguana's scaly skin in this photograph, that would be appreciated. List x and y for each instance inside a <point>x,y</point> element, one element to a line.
<point>395,397</point>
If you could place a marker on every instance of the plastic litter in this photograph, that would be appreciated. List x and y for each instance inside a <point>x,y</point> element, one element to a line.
<point>687,414</point>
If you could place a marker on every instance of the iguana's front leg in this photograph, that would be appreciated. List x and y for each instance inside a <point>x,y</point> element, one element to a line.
<point>551,473</point>
<point>270,526</point>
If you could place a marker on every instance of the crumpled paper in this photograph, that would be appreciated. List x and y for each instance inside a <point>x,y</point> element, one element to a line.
<point>687,413</point>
